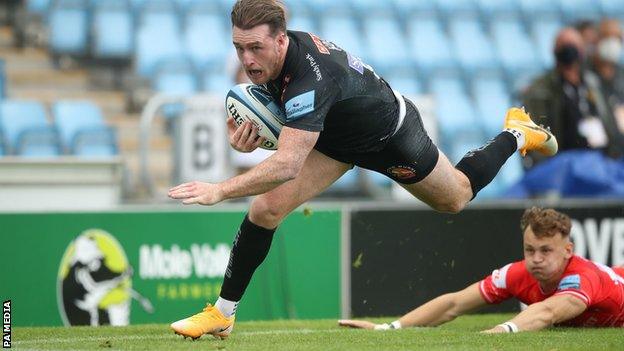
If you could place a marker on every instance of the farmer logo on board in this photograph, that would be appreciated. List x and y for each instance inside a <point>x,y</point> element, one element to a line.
<point>94,284</point>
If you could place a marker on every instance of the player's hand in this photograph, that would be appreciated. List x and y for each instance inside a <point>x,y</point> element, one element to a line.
<point>197,193</point>
<point>496,330</point>
<point>356,324</point>
<point>243,138</point>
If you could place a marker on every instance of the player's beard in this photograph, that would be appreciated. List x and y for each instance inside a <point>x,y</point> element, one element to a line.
<point>276,65</point>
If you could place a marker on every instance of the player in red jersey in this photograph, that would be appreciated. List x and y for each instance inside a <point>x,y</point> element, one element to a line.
<point>559,287</point>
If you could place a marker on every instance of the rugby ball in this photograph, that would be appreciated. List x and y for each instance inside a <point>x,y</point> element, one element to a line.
<point>250,102</point>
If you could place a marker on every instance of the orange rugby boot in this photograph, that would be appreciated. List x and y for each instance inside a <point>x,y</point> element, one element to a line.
<point>209,321</point>
<point>537,137</point>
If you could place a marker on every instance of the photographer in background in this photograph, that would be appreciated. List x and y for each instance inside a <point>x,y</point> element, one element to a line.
<point>569,100</point>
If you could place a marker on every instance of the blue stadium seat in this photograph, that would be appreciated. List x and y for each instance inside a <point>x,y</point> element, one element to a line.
<point>342,29</point>
<point>454,110</point>
<point>69,27</point>
<point>154,46</point>
<point>226,6</point>
<point>295,7</point>
<point>26,129</point>
<point>457,8</point>
<point>137,5</point>
<point>511,172</point>
<point>158,35</point>
<point>532,9</point>
<point>430,47</point>
<point>450,84</point>
<point>544,32</point>
<point>163,13</point>
<point>410,9</point>
<point>302,21</point>
<point>386,42</point>
<point>367,7</point>
<point>574,10</point>
<point>202,48</point>
<point>403,80</point>
<point>322,7</point>
<point>492,101</point>
<point>462,143</point>
<point>113,29</point>
<point>473,49</point>
<point>82,129</point>
<point>514,47</point>
<point>498,8</point>
<point>175,77</point>
<point>217,79</point>
<point>183,5</point>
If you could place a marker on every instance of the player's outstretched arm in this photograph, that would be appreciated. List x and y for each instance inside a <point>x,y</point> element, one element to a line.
<point>440,310</point>
<point>540,315</point>
<point>284,165</point>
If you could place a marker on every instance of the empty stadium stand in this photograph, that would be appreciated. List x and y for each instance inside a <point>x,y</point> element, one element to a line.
<point>472,56</point>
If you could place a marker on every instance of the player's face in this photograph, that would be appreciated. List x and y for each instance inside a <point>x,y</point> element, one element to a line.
<point>546,257</point>
<point>260,53</point>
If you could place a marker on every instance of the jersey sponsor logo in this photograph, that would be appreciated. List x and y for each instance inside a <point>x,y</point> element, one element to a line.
<point>499,277</point>
<point>402,172</point>
<point>356,63</point>
<point>319,44</point>
<point>299,106</point>
<point>315,67</point>
<point>570,282</point>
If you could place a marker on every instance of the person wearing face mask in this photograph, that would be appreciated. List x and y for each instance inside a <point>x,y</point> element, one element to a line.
<point>589,33</point>
<point>606,64</point>
<point>568,99</point>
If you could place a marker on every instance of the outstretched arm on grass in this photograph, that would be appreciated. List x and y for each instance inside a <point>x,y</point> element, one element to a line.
<point>440,310</point>
<point>540,315</point>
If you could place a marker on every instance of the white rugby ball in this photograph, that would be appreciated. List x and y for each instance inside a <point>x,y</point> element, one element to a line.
<point>250,102</point>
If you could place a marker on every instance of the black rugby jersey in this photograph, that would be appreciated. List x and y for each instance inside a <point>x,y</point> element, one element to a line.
<point>323,88</point>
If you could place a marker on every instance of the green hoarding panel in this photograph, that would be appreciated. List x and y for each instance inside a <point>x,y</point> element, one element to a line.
<point>119,268</point>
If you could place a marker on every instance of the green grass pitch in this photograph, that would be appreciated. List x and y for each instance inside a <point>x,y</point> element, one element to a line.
<point>294,335</point>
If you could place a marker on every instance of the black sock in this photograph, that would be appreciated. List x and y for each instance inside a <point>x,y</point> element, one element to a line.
<point>251,246</point>
<point>482,164</point>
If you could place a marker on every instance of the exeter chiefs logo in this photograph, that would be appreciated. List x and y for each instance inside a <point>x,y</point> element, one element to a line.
<point>94,284</point>
<point>402,172</point>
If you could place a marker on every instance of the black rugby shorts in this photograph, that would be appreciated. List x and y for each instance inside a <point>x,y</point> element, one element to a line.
<point>408,156</point>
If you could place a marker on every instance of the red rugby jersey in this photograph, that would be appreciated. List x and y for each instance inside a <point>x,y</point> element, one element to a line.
<point>600,287</point>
